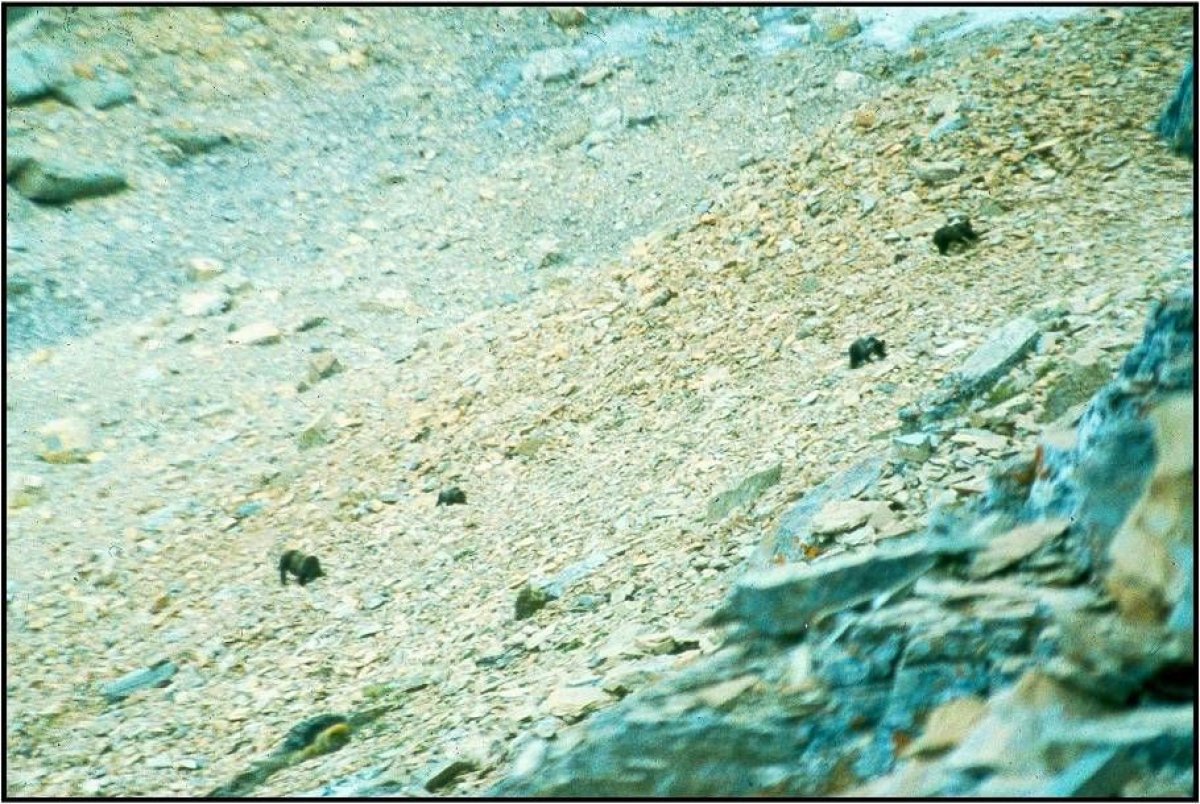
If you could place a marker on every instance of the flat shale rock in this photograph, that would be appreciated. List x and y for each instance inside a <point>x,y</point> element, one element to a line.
<point>786,600</point>
<point>260,333</point>
<point>58,180</point>
<point>744,493</point>
<point>1000,352</point>
<point>795,528</point>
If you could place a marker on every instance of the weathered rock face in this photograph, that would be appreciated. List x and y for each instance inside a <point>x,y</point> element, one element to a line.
<point>1177,125</point>
<point>1103,473</point>
<point>951,666</point>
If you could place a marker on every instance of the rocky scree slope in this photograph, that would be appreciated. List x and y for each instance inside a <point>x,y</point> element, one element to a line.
<point>592,423</point>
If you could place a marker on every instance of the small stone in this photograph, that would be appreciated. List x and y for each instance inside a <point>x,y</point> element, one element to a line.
<point>201,269</point>
<point>574,703</point>
<point>248,509</point>
<point>547,727</point>
<point>66,440</point>
<point>315,433</point>
<point>867,203</point>
<point>595,75</point>
<point>25,490</point>
<point>722,694</point>
<point>323,366</point>
<point>745,493</point>
<point>236,282</point>
<point>444,773</point>
<point>637,118</point>
<point>984,440</point>
<point>840,516</point>
<point>32,73</point>
<point>937,172</point>
<point>311,322</point>
<point>185,140</point>
<point>656,644</point>
<point>545,253</point>
<point>550,65</point>
<point>158,674</point>
<point>105,91</point>
<point>608,118</point>
<point>914,447</point>
<point>568,16</point>
<point>831,25</point>
<point>847,81</point>
<point>391,300</point>
<point>940,105</point>
<point>655,299</point>
<point>259,333</point>
<point>204,303</point>
<point>948,125</point>
<point>629,676</point>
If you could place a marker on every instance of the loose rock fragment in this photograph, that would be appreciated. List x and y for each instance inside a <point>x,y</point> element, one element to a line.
<point>66,440</point>
<point>201,269</point>
<point>573,703</point>
<point>937,172</point>
<point>156,675</point>
<point>260,333</point>
<point>1002,350</point>
<point>567,16</point>
<point>744,493</point>
<point>443,774</point>
<point>204,303</point>
<point>59,180</point>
